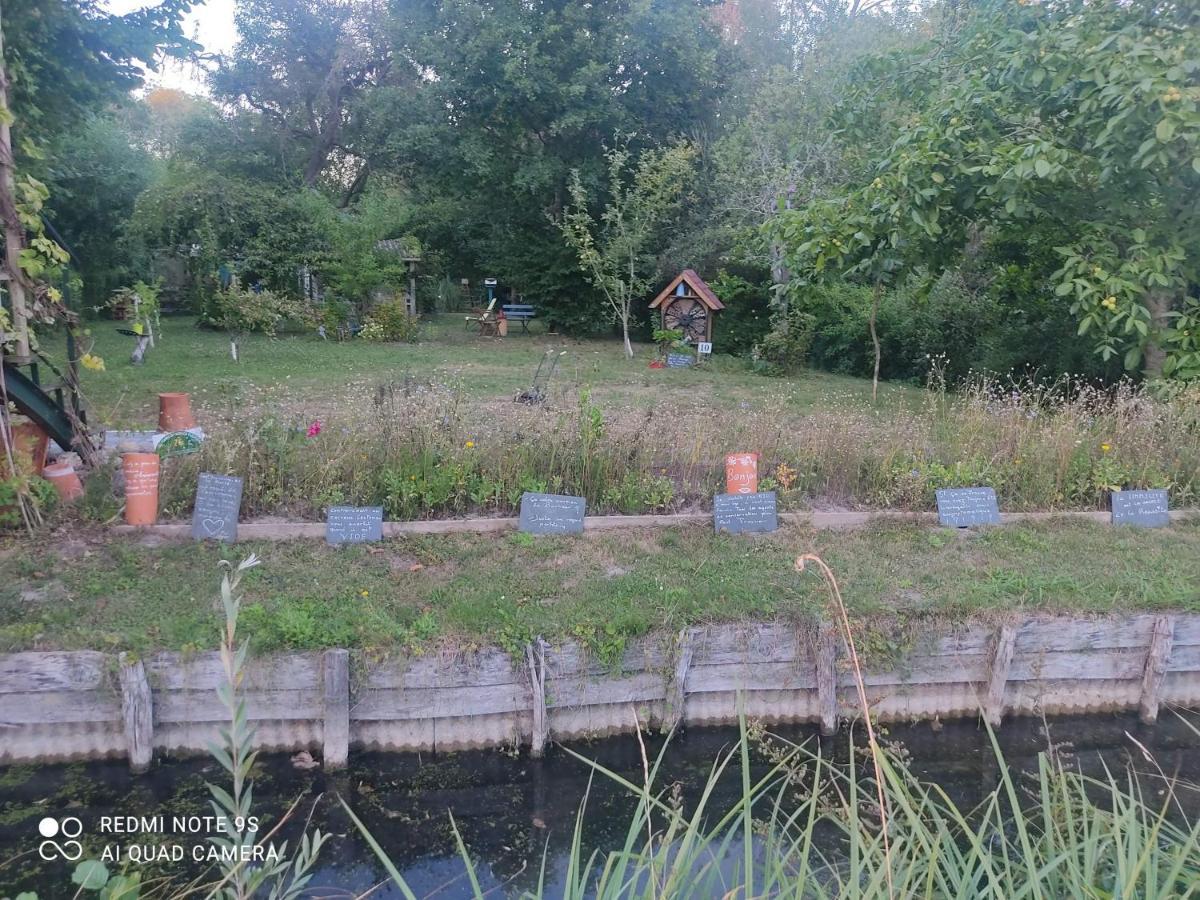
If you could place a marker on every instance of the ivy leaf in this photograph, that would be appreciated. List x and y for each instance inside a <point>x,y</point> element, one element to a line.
<point>91,875</point>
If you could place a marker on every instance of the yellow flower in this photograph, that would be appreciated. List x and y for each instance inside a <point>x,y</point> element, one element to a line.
<point>469,444</point>
<point>91,361</point>
<point>365,593</point>
<point>1105,447</point>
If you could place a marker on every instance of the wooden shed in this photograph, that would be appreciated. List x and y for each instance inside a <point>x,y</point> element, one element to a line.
<point>688,305</point>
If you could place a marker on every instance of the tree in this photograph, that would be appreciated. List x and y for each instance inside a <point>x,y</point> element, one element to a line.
<point>616,251</point>
<point>304,64</point>
<point>1070,116</point>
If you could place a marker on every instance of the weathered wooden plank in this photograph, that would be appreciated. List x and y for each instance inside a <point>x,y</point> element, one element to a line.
<point>203,671</point>
<point>998,673</point>
<point>1118,664</point>
<point>1184,659</point>
<point>1061,635</point>
<point>490,667</point>
<point>574,692</point>
<point>438,703</point>
<point>825,672</point>
<point>137,712</point>
<point>1187,630</point>
<point>204,706</point>
<point>763,676</point>
<point>676,687</point>
<point>572,659</point>
<point>734,645</point>
<point>1156,667</point>
<point>336,733</point>
<point>59,707</point>
<point>971,667</point>
<point>27,673</point>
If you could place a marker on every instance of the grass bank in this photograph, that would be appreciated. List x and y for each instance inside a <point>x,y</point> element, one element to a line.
<point>421,592</point>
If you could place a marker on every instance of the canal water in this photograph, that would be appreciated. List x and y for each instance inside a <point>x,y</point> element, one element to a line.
<point>510,810</point>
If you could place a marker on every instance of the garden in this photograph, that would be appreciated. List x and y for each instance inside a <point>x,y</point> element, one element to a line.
<point>559,359</point>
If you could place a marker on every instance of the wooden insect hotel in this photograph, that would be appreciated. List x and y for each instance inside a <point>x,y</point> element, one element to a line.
<point>688,304</point>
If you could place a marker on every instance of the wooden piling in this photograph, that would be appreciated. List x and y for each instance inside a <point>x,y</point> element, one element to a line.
<point>1003,647</point>
<point>336,740</point>
<point>137,712</point>
<point>1161,640</point>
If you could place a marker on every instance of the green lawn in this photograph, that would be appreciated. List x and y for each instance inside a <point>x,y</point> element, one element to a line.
<point>419,592</point>
<point>301,374</point>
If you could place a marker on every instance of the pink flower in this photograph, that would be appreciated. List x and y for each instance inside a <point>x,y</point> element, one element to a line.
<point>314,429</point>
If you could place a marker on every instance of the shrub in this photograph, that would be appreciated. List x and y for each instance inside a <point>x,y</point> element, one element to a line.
<point>785,348</point>
<point>241,310</point>
<point>390,321</point>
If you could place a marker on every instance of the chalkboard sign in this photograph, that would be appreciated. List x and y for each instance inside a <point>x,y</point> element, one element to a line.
<point>353,524</point>
<point>741,513</point>
<point>218,499</point>
<point>964,507</point>
<point>551,513</point>
<point>679,360</point>
<point>1146,509</point>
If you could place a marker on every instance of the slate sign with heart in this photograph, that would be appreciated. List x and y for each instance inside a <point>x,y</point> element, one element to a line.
<point>964,507</point>
<point>215,515</point>
<point>1146,509</point>
<point>353,524</point>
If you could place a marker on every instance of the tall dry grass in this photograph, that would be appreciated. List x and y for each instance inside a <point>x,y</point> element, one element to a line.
<point>424,451</point>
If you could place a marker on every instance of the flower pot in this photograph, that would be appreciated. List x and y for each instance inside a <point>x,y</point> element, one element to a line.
<point>141,488</point>
<point>65,480</point>
<point>175,413</point>
<point>30,444</point>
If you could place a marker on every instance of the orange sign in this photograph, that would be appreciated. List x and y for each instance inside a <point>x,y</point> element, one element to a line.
<point>741,473</point>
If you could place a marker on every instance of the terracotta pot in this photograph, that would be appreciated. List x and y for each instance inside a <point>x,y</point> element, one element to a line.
<point>175,413</point>
<point>30,444</point>
<point>65,480</point>
<point>141,487</point>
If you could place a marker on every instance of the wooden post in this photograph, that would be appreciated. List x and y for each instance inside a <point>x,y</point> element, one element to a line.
<point>535,658</point>
<point>826,671</point>
<point>1161,640</point>
<point>137,711</point>
<point>336,749</point>
<point>677,686</point>
<point>1002,655</point>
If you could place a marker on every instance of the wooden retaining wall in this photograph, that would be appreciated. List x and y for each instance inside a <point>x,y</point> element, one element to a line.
<point>88,705</point>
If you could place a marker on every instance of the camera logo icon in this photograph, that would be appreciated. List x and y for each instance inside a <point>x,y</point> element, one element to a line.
<point>68,827</point>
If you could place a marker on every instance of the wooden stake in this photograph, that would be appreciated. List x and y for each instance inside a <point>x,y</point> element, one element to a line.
<point>336,750</point>
<point>1001,662</point>
<point>677,686</point>
<point>1161,640</point>
<point>826,666</point>
<point>535,658</point>
<point>137,711</point>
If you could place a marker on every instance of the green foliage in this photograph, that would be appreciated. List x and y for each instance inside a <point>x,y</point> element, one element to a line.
<point>37,491</point>
<point>785,348</point>
<point>390,321</point>
<point>616,251</point>
<point>1109,157</point>
<point>242,311</point>
<point>746,319</point>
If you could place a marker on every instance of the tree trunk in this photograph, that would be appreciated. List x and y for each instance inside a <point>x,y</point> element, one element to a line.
<point>1153,354</point>
<point>625,332</point>
<point>875,340</point>
<point>779,278</point>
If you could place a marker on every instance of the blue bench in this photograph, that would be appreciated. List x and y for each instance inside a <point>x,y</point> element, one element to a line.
<point>520,312</point>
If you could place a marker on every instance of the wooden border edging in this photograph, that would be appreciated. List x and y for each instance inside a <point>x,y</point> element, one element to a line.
<point>59,706</point>
<point>286,531</point>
